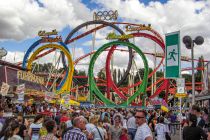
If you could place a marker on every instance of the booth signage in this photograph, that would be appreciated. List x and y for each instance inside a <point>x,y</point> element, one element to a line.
<point>28,76</point>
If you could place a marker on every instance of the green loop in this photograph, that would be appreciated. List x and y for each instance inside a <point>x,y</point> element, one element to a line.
<point>92,85</point>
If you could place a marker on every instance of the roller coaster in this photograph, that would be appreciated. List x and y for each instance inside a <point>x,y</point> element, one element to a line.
<point>65,81</point>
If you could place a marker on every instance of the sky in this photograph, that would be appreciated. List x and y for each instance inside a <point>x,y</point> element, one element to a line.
<point>21,20</point>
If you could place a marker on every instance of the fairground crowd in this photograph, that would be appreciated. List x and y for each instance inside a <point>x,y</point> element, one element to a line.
<point>45,121</point>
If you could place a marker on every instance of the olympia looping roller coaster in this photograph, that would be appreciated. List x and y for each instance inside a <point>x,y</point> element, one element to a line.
<point>64,79</point>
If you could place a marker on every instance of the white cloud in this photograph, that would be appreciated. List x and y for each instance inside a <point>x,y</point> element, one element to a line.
<point>98,43</point>
<point>14,57</point>
<point>190,17</point>
<point>24,18</point>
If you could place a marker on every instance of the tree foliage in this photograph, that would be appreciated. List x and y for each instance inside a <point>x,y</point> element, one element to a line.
<point>198,74</point>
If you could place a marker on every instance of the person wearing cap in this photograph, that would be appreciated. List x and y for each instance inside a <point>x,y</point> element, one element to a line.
<point>193,132</point>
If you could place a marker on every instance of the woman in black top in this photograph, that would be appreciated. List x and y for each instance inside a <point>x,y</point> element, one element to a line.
<point>193,132</point>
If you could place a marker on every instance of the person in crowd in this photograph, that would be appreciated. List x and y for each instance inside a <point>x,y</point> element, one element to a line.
<point>160,129</point>
<point>131,125</point>
<point>98,132</point>
<point>166,121</point>
<point>76,132</point>
<point>7,123</point>
<point>100,124</point>
<point>124,135</point>
<point>143,131</point>
<point>35,127</point>
<point>64,116</point>
<point>2,119</point>
<point>197,111</point>
<point>172,119</point>
<point>53,109</point>
<point>69,125</point>
<point>206,117</point>
<point>51,127</point>
<point>23,128</point>
<point>116,129</point>
<point>91,125</point>
<point>43,130</point>
<point>208,134</point>
<point>184,119</point>
<point>61,129</point>
<point>12,131</point>
<point>193,132</point>
<point>106,123</point>
<point>19,108</point>
<point>152,121</point>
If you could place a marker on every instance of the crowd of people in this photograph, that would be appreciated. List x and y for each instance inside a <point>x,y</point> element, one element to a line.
<point>52,122</point>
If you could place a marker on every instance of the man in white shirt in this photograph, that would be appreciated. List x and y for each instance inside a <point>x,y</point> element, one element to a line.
<point>131,125</point>
<point>143,131</point>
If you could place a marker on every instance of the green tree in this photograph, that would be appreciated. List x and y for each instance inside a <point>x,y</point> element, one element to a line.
<point>187,77</point>
<point>119,74</point>
<point>198,74</point>
<point>101,74</point>
<point>82,73</point>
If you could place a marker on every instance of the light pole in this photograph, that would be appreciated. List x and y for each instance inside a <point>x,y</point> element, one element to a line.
<point>189,44</point>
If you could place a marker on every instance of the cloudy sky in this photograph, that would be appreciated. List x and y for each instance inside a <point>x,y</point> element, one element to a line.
<point>22,19</point>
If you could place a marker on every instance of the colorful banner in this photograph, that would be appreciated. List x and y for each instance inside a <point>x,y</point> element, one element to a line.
<point>172,55</point>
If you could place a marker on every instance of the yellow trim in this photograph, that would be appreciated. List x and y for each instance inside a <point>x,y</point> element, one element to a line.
<point>67,85</point>
<point>180,95</point>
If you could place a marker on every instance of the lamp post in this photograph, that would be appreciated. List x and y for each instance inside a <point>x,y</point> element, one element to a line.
<point>189,44</point>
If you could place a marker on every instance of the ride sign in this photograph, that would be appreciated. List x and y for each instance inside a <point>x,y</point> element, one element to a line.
<point>140,27</point>
<point>172,55</point>
<point>180,83</point>
<point>46,36</point>
<point>112,36</point>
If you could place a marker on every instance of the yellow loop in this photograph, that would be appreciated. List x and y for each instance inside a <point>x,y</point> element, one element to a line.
<point>67,85</point>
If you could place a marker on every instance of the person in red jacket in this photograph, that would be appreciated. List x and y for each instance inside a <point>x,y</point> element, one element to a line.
<point>64,117</point>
